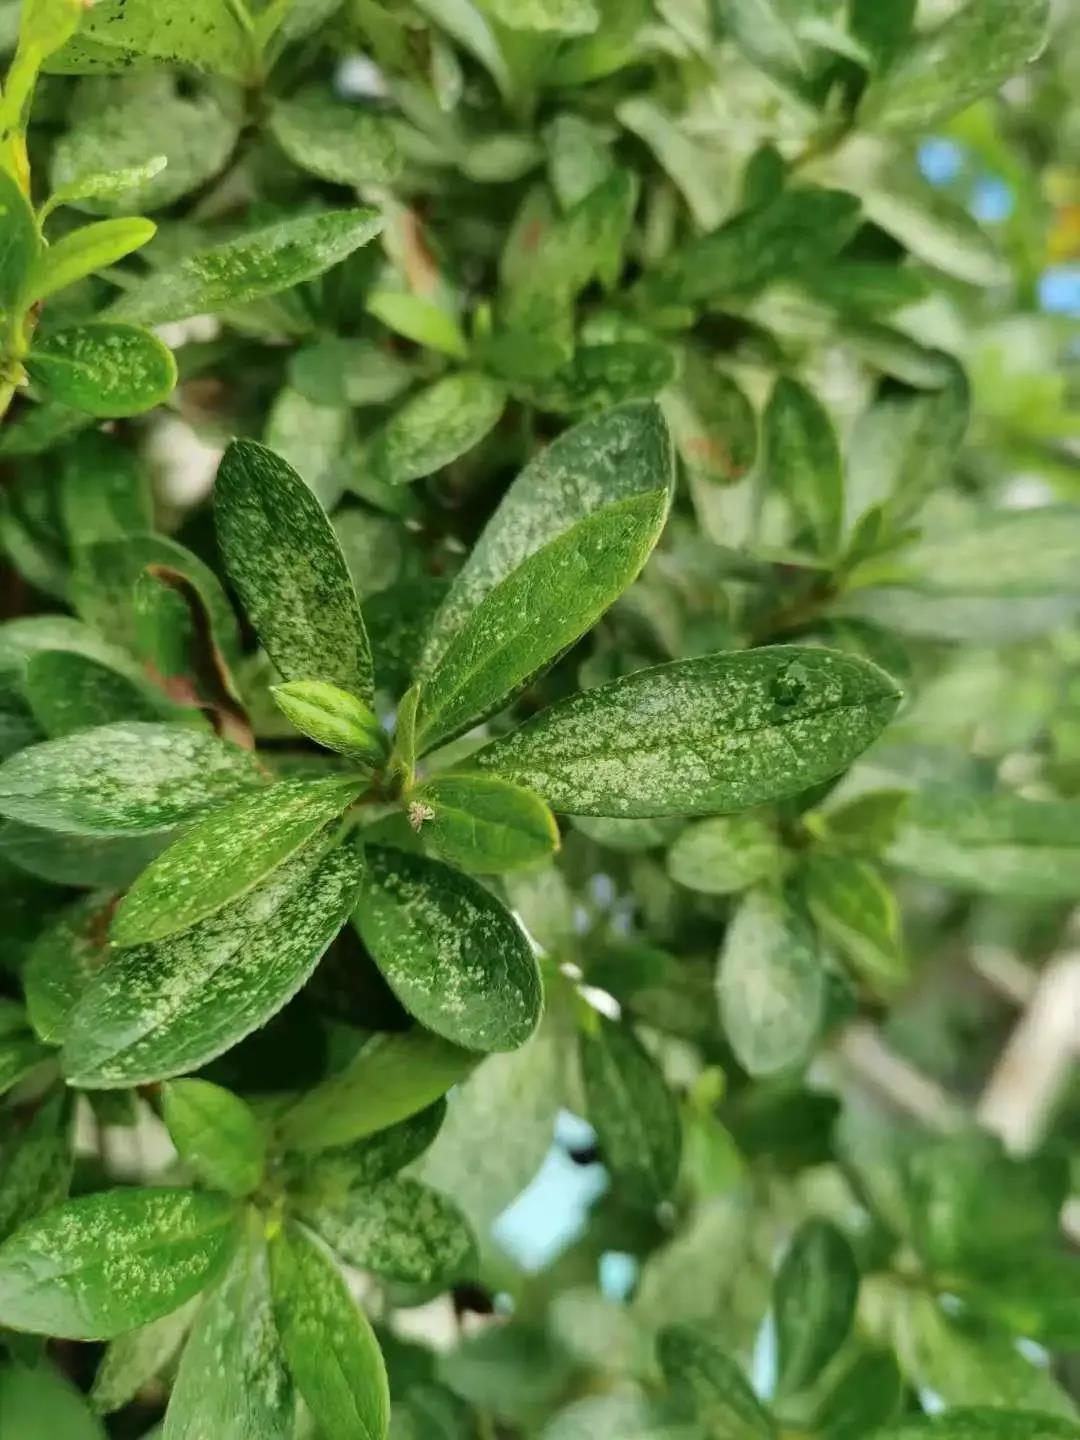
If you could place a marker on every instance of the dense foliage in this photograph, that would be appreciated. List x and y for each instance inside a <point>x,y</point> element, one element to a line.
<point>541,583</point>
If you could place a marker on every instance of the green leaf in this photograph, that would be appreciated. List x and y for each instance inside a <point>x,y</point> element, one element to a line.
<point>329,1346</point>
<point>803,461</point>
<point>789,236</point>
<point>767,32</point>
<point>771,985</point>
<point>232,1379</point>
<point>713,423</point>
<point>137,1357</point>
<point>40,1401</point>
<point>602,376</point>
<point>1012,552</point>
<point>105,1263</point>
<point>711,1386</point>
<point>38,1165</point>
<point>64,958</point>
<point>227,854</point>
<point>84,251</point>
<point>107,185</point>
<point>482,823</point>
<point>286,563</point>
<point>632,1111</point>
<point>676,739</point>
<point>562,17</point>
<point>123,779</point>
<point>554,597</point>
<point>726,854</point>
<point>19,1054</point>
<point>600,462</point>
<point>990,844</point>
<point>867,1394</point>
<point>250,267</point>
<point>117,34</point>
<point>981,1424</point>
<point>814,1299</point>
<point>969,54</point>
<point>419,320</point>
<point>454,957</point>
<point>20,242</point>
<point>856,911</point>
<point>400,1229</point>
<point>105,369</point>
<point>436,426</point>
<point>334,718</point>
<point>159,1010</point>
<point>216,1135</point>
<point>68,692</point>
<point>391,1077</point>
<point>335,370</point>
<point>335,140</point>
<point>329,1175</point>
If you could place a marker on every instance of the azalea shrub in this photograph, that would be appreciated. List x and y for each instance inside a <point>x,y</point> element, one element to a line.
<point>540,786</point>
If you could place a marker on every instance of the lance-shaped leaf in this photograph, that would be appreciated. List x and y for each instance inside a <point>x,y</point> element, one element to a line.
<point>136,1357</point>
<point>81,252</point>
<point>400,1229</point>
<point>803,459</point>
<point>814,1299</point>
<point>624,453</point>
<point>248,268</point>
<point>482,823</point>
<point>64,959</point>
<point>123,779</point>
<point>118,34</point>
<point>225,855</point>
<point>970,54</point>
<point>68,692</point>
<point>856,910</point>
<point>452,954</point>
<point>216,1134</point>
<point>867,1394</point>
<point>334,139</point>
<point>232,1378</point>
<point>392,1077</point>
<point>537,613</point>
<point>334,718</point>
<point>725,732</point>
<point>710,1386</point>
<point>991,844</point>
<point>771,985</point>
<point>106,369</point>
<point>19,241</point>
<point>286,562</point>
<point>104,1263</point>
<point>632,1111</point>
<point>97,185</point>
<point>329,1176</point>
<point>159,1010</point>
<point>1012,552</point>
<point>37,1165</point>
<point>436,426</point>
<point>329,1345</point>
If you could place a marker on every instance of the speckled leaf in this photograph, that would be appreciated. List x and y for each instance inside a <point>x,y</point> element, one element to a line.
<point>232,1382</point>
<point>814,1298</point>
<point>400,1229</point>
<point>328,1176</point>
<point>82,252</point>
<point>330,1348</point>
<point>711,1385</point>
<point>121,33</point>
<point>392,1077</point>
<point>99,185</point>
<point>225,855</point>
<point>104,1263</point>
<point>600,462</point>
<point>63,960</point>
<point>38,1400</point>
<point>771,985</point>
<point>159,1010</point>
<point>482,823</point>
<point>856,911</point>
<point>19,242</point>
<point>286,562</point>
<point>435,426</point>
<point>721,733</point>
<point>38,1164</point>
<point>248,268</point>
<point>106,369</point>
<point>216,1135</point>
<point>725,854</point>
<point>68,692</point>
<point>454,957</point>
<point>991,844</point>
<point>979,1423</point>
<point>712,421</point>
<point>802,456</point>
<point>533,616</point>
<point>135,1358</point>
<point>334,139</point>
<point>948,67</point>
<point>602,376</point>
<point>123,779</point>
<point>633,1113</point>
